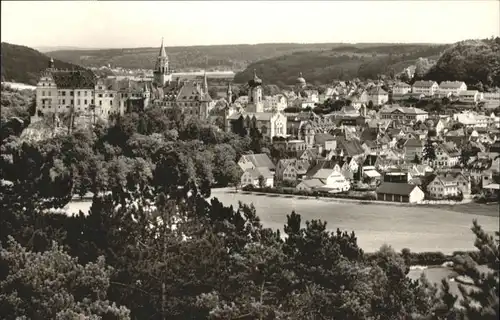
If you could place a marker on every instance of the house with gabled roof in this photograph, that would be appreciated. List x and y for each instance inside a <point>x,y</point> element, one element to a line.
<point>323,164</point>
<point>401,88</point>
<point>403,114</point>
<point>378,96</point>
<point>325,141</point>
<point>470,96</point>
<point>308,154</point>
<point>449,184</point>
<point>412,148</point>
<point>325,180</point>
<point>258,160</point>
<point>291,169</point>
<point>429,88</point>
<point>309,185</point>
<point>447,156</point>
<point>447,88</point>
<point>399,192</point>
<point>349,148</point>
<point>252,177</point>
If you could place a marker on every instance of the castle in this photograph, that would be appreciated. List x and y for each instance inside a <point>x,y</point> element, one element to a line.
<point>81,94</point>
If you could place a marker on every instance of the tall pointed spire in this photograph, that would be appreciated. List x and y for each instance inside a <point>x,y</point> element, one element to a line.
<point>229,93</point>
<point>205,82</point>
<point>162,49</point>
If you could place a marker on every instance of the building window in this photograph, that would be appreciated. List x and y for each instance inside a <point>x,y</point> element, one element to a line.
<point>63,101</point>
<point>92,101</point>
<point>100,102</point>
<point>100,95</point>
<point>111,102</point>
<point>111,95</point>
<point>78,93</point>
<point>78,102</point>
<point>71,93</point>
<point>50,93</point>
<point>63,93</point>
<point>43,93</point>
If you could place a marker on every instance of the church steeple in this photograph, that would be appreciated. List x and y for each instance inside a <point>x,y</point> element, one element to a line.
<point>51,63</point>
<point>205,83</point>
<point>229,93</point>
<point>162,73</point>
<point>162,54</point>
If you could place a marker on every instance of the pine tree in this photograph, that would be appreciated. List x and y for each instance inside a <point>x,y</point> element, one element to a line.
<point>483,302</point>
<point>464,158</point>
<point>429,151</point>
<point>416,159</point>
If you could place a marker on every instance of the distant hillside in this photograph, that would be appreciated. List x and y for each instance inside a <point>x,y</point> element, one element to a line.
<point>23,64</point>
<point>476,62</point>
<point>56,48</point>
<point>344,62</point>
<point>220,57</point>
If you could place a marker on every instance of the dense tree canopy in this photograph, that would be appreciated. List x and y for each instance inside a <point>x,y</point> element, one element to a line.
<point>477,62</point>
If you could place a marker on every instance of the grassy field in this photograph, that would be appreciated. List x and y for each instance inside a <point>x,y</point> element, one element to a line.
<point>417,228</point>
<point>482,209</point>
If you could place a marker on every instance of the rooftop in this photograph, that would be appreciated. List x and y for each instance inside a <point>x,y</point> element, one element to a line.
<point>402,189</point>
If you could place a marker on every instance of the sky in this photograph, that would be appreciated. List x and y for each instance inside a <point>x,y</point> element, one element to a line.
<point>128,24</point>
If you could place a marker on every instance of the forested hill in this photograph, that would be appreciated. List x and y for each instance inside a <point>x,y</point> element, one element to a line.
<point>23,64</point>
<point>342,62</point>
<point>220,57</point>
<point>476,62</point>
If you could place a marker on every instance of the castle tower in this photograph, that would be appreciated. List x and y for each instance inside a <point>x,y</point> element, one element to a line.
<point>146,95</point>
<point>162,73</point>
<point>255,103</point>
<point>51,63</point>
<point>229,93</point>
<point>300,83</point>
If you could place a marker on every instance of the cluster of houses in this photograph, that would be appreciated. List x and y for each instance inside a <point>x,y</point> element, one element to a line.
<point>384,152</point>
<point>355,148</point>
<point>454,90</point>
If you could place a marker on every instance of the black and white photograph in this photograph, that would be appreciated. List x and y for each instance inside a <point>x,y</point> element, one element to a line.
<point>250,160</point>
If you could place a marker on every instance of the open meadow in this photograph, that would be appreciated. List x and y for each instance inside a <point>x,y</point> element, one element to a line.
<point>419,228</point>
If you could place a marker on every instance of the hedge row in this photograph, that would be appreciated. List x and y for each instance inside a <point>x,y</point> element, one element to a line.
<point>290,191</point>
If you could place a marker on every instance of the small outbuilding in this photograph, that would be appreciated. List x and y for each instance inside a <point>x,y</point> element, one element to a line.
<point>399,192</point>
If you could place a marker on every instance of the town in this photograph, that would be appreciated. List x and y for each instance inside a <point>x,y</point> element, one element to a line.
<point>365,140</point>
<point>267,160</point>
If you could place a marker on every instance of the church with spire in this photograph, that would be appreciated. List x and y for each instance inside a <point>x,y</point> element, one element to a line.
<point>162,73</point>
<point>191,97</point>
<point>269,124</point>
